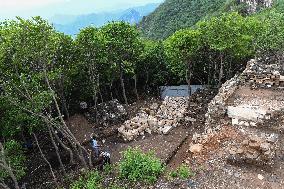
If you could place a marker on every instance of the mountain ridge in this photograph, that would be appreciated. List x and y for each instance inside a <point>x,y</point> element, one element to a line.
<point>74,24</point>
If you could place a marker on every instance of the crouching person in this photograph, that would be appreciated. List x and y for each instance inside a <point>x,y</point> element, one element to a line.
<point>105,160</point>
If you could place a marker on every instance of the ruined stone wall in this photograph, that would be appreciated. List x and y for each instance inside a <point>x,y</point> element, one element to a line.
<point>217,107</point>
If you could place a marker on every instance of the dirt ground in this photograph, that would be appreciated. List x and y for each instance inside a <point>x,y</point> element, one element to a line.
<point>212,168</point>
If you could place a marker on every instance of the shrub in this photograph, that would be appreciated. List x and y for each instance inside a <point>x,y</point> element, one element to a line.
<point>90,181</point>
<point>182,172</point>
<point>139,166</point>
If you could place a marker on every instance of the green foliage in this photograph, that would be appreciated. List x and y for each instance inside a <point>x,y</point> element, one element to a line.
<point>27,48</point>
<point>91,57</point>
<point>270,41</point>
<point>152,65</point>
<point>181,48</point>
<point>91,180</point>
<point>14,156</point>
<point>123,46</point>
<point>182,172</point>
<point>174,15</point>
<point>138,166</point>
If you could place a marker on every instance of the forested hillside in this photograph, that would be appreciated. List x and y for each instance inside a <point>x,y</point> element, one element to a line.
<point>173,15</point>
<point>177,14</point>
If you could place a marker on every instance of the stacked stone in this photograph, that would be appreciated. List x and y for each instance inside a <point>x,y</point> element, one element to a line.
<point>217,107</point>
<point>262,75</point>
<point>157,119</point>
<point>256,150</point>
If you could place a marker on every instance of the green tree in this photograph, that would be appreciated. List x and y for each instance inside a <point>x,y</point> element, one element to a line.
<point>91,48</point>
<point>181,48</point>
<point>270,39</point>
<point>228,36</point>
<point>123,47</point>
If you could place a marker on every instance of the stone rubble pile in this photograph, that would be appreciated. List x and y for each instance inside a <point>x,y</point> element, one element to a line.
<point>111,112</point>
<point>262,75</point>
<point>217,106</point>
<point>256,150</point>
<point>156,119</point>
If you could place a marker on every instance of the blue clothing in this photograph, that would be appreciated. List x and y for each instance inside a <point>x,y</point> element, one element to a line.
<point>95,147</point>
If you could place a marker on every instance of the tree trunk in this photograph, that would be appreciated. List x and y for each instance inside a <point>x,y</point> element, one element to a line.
<point>66,129</point>
<point>221,72</point>
<point>47,162</point>
<point>64,104</point>
<point>135,87</point>
<point>5,165</point>
<point>64,146</point>
<point>4,186</point>
<point>110,87</point>
<point>122,84</point>
<point>56,151</point>
<point>147,80</point>
<point>188,76</point>
<point>93,80</point>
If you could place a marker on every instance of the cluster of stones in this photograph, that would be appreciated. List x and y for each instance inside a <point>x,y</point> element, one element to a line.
<point>111,112</point>
<point>217,106</point>
<point>156,119</point>
<point>262,75</point>
<point>255,150</point>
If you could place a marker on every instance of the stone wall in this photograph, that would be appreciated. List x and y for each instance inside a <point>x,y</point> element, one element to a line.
<point>217,107</point>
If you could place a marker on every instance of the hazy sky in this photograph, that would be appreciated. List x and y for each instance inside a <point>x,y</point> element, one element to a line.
<point>47,8</point>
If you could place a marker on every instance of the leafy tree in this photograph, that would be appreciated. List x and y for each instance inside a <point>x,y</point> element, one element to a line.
<point>152,65</point>
<point>29,71</point>
<point>181,48</point>
<point>123,47</point>
<point>270,41</point>
<point>228,36</point>
<point>91,48</point>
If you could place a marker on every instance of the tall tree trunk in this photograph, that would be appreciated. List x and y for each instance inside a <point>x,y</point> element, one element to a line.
<point>47,162</point>
<point>135,87</point>
<point>93,80</point>
<point>66,129</point>
<point>56,150</point>
<point>221,72</point>
<point>122,84</point>
<point>188,76</point>
<point>110,88</point>
<point>64,146</point>
<point>64,104</point>
<point>147,80</point>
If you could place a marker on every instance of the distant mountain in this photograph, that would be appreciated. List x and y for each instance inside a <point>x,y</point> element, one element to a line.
<point>72,24</point>
<point>132,17</point>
